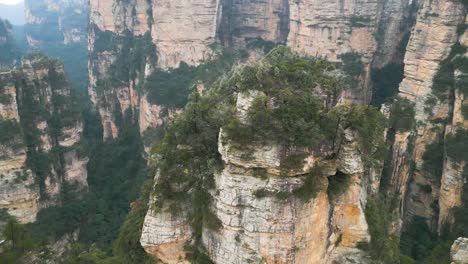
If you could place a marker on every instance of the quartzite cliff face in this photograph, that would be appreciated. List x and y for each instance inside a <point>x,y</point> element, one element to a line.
<point>269,229</point>
<point>370,33</point>
<point>309,27</point>
<point>430,44</point>
<point>41,126</point>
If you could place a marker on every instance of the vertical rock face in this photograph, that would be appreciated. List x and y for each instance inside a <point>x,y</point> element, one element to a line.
<point>375,32</point>
<point>41,126</point>
<point>269,228</point>
<point>434,34</point>
<point>397,18</point>
<point>328,29</point>
<point>112,24</point>
<point>459,251</point>
<point>172,21</point>
<point>16,196</point>
<point>168,242</point>
<point>116,16</point>
<point>313,28</point>
<point>243,21</point>
<point>55,21</point>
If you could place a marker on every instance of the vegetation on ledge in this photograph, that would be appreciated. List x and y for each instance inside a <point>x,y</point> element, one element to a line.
<point>297,108</point>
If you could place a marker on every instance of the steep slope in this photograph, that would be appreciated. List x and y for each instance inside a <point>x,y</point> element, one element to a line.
<point>41,130</point>
<point>346,32</point>
<point>257,204</point>
<point>144,63</point>
<point>437,112</point>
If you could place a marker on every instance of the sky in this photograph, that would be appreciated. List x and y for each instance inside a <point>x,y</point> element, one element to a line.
<point>10,2</point>
<point>10,10</point>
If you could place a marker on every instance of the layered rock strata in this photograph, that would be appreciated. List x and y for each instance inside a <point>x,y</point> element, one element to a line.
<point>337,29</point>
<point>434,34</point>
<point>267,228</point>
<point>41,125</point>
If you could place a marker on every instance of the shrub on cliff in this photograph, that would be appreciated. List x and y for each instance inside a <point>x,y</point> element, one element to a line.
<point>296,107</point>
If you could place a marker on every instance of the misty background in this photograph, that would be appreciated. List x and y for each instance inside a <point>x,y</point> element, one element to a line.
<point>13,10</point>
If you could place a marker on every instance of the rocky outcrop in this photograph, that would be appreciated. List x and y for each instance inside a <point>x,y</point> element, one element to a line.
<point>430,43</point>
<point>396,23</point>
<point>41,126</point>
<point>337,29</point>
<point>260,222</point>
<point>459,251</point>
<point>172,20</point>
<point>370,33</point>
<point>17,191</point>
<point>173,232</point>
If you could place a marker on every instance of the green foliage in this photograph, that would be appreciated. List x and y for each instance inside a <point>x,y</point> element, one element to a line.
<point>75,59</point>
<point>170,88</point>
<point>311,186</point>
<point>187,159</point>
<point>81,254</point>
<point>464,2</point>
<point>406,260</point>
<point>17,243</point>
<point>383,246</point>
<point>460,214</point>
<point>440,254</point>
<point>338,184</point>
<point>417,241</point>
<point>367,121</point>
<point>55,221</point>
<point>63,110</point>
<point>433,159</point>
<point>10,132</point>
<point>444,81</point>
<point>260,173</point>
<point>127,247</point>
<point>457,145</point>
<point>104,40</point>
<point>386,81</point>
<point>133,54</point>
<point>352,63</point>
<point>287,113</point>
<point>402,115</point>
<point>115,173</point>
